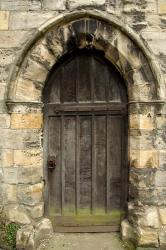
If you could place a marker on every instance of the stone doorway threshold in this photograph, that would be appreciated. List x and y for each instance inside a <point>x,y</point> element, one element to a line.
<point>82,241</point>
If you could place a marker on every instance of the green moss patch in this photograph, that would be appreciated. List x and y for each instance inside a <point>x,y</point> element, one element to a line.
<point>128,245</point>
<point>8,231</point>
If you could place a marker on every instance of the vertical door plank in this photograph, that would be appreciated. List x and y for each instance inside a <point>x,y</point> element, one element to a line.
<point>77,79</point>
<point>114,169</point>
<point>113,90</point>
<point>124,168</point>
<point>68,84</point>
<point>62,164</point>
<point>84,79</point>
<point>100,75</point>
<point>92,66</point>
<point>107,164</point>
<point>93,129</point>
<point>85,164</point>
<point>54,175</point>
<point>77,158</point>
<point>69,155</point>
<point>55,83</point>
<point>100,147</point>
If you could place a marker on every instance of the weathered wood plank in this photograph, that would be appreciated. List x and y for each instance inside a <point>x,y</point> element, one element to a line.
<point>69,158</point>
<point>100,147</point>
<point>54,150</point>
<point>85,164</point>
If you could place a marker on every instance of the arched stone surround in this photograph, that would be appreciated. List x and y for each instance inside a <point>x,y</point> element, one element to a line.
<point>135,62</point>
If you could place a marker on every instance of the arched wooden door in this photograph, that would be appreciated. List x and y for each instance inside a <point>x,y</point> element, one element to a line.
<point>85,110</point>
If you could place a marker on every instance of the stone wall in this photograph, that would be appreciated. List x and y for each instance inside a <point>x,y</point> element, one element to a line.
<point>21,143</point>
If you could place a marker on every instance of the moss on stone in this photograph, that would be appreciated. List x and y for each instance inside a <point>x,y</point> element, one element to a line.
<point>11,232</point>
<point>128,245</point>
<point>8,231</point>
<point>3,242</point>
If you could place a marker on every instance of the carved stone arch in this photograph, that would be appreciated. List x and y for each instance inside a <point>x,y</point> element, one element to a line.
<point>79,30</point>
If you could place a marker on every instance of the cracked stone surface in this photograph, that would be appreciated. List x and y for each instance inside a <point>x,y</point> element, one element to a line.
<point>82,241</point>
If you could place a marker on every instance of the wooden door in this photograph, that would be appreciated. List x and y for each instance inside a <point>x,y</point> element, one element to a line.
<point>86,127</point>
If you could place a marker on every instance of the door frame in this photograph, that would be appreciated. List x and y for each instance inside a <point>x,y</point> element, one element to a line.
<point>114,108</point>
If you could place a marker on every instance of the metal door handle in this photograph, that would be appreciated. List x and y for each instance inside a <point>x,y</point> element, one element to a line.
<point>51,162</point>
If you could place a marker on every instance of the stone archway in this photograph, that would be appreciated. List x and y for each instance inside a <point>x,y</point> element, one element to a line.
<point>143,81</point>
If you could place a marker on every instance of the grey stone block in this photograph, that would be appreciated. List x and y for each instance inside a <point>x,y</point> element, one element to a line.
<point>162,238</point>
<point>6,56</point>
<point>28,20</point>
<point>29,237</point>
<point>4,73</point>
<point>3,108</point>
<point>54,4</point>
<point>2,91</point>
<point>20,4</point>
<point>161,196</point>
<point>160,142</point>
<point>17,214</point>
<point>13,39</point>
<point>10,175</point>
<point>160,179</point>
<point>19,139</point>
<point>162,160</point>
<point>156,41</point>
<point>141,140</point>
<point>144,178</point>
<point>4,121</point>
<point>82,3</point>
<point>30,194</point>
<point>29,175</point>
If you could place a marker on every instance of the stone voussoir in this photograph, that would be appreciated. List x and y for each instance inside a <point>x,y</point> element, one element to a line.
<point>34,71</point>
<point>42,54</point>
<point>25,86</point>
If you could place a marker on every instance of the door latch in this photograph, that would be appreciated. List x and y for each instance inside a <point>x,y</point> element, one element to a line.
<point>51,162</point>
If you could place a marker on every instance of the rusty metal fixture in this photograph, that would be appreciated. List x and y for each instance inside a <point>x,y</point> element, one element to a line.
<point>51,162</point>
